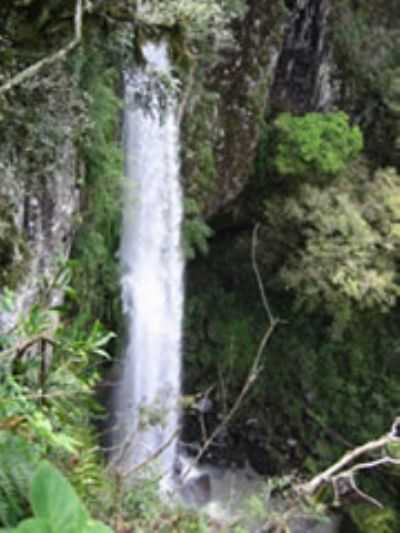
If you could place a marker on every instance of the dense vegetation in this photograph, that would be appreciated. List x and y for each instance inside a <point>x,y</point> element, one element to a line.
<point>325,190</point>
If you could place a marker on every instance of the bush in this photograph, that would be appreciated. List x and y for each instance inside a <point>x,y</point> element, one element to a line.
<point>342,241</point>
<point>315,144</point>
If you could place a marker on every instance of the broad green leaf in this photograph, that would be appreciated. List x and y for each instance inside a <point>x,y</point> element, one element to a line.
<point>55,500</point>
<point>34,525</point>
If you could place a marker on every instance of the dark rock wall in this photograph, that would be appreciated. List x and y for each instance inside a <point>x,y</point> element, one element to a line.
<point>228,102</point>
<point>302,81</point>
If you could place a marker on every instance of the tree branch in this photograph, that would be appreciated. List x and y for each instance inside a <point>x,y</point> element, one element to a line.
<point>57,56</point>
<point>255,367</point>
<point>342,479</point>
<point>153,456</point>
<point>16,352</point>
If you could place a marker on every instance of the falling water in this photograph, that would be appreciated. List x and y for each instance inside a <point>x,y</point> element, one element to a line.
<point>152,266</point>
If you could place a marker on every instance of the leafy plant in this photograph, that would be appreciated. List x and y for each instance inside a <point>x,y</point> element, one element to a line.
<point>95,265</point>
<point>315,144</point>
<point>18,461</point>
<point>47,378</point>
<point>371,520</point>
<point>56,506</point>
<point>195,230</point>
<point>199,19</point>
<point>344,249</point>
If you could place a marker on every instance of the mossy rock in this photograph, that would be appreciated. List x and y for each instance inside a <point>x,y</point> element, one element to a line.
<point>13,249</point>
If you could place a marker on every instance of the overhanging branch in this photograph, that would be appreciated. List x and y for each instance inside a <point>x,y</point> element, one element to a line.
<point>49,60</point>
<point>341,475</point>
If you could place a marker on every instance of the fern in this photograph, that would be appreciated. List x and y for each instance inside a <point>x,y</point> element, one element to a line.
<point>195,230</point>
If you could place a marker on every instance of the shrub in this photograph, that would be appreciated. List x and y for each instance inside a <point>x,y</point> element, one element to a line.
<point>315,144</point>
<point>343,241</point>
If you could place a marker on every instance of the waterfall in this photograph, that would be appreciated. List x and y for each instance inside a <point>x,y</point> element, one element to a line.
<point>147,403</point>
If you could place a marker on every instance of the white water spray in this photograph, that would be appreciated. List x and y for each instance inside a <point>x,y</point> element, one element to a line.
<point>147,403</point>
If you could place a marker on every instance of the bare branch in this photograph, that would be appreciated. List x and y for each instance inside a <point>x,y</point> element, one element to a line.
<point>337,471</point>
<point>42,338</point>
<point>57,56</point>
<point>264,298</point>
<point>255,367</point>
<point>153,456</point>
<point>373,464</point>
<point>16,352</point>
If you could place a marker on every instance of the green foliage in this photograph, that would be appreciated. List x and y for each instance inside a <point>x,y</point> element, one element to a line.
<point>366,44</point>
<point>96,243</point>
<point>14,252</point>
<point>140,507</point>
<point>56,506</point>
<point>18,460</point>
<point>199,19</point>
<point>262,164</point>
<point>39,396</point>
<point>344,247</point>
<point>195,231</point>
<point>353,396</point>
<point>371,520</point>
<point>315,386</point>
<point>47,401</point>
<point>199,157</point>
<point>315,144</point>
<point>223,333</point>
<point>47,411</point>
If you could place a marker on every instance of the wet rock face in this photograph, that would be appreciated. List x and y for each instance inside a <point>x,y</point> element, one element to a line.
<point>281,59</point>
<point>197,491</point>
<point>242,80</point>
<point>236,88</point>
<point>302,81</point>
<point>39,197</point>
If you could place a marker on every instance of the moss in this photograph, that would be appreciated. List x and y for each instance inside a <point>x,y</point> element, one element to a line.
<point>182,57</point>
<point>14,252</point>
<point>200,158</point>
<point>96,274</point>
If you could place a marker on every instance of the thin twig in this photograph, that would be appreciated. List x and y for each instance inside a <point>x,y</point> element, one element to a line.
<point>42,338</point>
<point>255,367</point>
<point>121,448</point>
<point>260,283</point>
<point>373,464</point>
<point>329,431</point>
<point>153,456</point>
<point>18,351</point>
